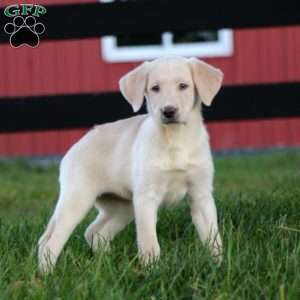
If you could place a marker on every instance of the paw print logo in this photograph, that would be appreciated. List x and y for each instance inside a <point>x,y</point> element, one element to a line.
<point>24,31</point>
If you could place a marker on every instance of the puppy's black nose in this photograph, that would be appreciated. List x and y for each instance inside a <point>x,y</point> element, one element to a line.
<point>169,112</point>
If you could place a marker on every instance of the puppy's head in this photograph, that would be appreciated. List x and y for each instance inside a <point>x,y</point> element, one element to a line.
<point>172,86</point>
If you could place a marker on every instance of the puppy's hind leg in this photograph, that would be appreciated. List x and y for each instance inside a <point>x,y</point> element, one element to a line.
<point>114,215</point>
<point>47,233</point>
<point>73,204</point>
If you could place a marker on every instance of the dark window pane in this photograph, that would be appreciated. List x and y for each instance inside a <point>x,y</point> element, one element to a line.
<point>126,40</point>
<point>138,40</point>
<point>195,37</point>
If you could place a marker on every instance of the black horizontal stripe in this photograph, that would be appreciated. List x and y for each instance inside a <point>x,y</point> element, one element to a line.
<point>94,20</point>
<point>85,110</point>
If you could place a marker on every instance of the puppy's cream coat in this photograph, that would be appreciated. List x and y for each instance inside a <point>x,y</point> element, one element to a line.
<point>128,168</point>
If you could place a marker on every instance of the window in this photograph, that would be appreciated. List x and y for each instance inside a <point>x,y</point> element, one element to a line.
<point>209,43</point>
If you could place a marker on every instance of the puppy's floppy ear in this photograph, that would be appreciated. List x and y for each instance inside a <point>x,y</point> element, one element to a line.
<point>133,85</point>
<point>207,79</point>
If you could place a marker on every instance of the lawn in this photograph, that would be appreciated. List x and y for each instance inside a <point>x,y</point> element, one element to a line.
<point>258,200</point>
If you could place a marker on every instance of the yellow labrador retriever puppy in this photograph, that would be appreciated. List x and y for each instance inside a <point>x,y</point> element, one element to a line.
<point>128,168</point>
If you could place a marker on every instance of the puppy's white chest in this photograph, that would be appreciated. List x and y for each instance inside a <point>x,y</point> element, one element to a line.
<point>175,159</point>
<point>176,188</point>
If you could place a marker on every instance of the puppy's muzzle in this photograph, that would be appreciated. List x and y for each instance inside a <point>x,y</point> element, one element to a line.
<point>169,114</point>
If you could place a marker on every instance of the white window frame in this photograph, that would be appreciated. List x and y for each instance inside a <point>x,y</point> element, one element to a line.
<point>221,48</point>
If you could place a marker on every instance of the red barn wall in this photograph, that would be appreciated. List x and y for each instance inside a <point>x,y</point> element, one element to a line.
<point>58,67</point>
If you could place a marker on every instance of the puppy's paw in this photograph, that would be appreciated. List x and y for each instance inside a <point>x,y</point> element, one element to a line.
<point>217,253</point>
<point>218,259</point>
<point>103,246</point>
<point>97,242</point>
<point>150,256</point>
<point>46,261</point>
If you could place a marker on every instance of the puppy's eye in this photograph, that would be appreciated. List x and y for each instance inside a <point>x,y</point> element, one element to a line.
<point>155,88</point>
<point>182,86</point>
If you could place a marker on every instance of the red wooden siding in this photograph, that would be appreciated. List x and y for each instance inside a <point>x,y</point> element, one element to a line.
<point>260,56</point>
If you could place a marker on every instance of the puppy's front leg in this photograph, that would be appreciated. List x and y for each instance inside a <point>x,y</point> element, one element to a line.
<point>145,209</point>
<point>204,216</point>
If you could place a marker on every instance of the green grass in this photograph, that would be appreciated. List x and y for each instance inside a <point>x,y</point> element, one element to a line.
<point>258,200</point>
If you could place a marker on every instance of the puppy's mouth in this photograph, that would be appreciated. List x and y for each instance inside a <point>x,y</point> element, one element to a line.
<point>170,121</point>
<point>167,121</point>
